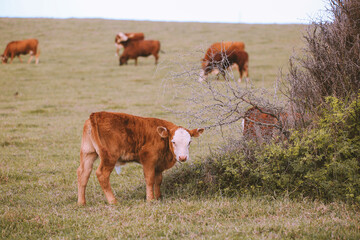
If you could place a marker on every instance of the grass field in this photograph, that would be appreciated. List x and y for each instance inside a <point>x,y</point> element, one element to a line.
<point>43,108</point>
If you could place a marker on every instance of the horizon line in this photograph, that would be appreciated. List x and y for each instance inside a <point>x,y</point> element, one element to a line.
<point>148,20</point>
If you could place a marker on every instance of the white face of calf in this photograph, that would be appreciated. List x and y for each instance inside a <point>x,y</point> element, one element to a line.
<point>122,36</point>
<point>180,141</point>
<point>3,59</point>
<point>204,65</point>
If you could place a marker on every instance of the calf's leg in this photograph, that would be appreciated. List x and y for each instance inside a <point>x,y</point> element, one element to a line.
<point>12,57</point>
<point>240,74</point>
<point>244,70</point>
<point>156,58</point>
<point>87,157</point>
<point>149,174</point>
<point>103,174</point>
<point>31,57</point>
<point>148,160</point>
<point>158,180</point>
<point>83,172</point>
<point>150,181</point>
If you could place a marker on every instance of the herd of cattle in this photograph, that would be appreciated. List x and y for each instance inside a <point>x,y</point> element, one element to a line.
<point>119,138</point>
<point>218,57</point>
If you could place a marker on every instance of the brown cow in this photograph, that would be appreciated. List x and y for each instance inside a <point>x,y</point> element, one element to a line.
<point>222,55</point>
<point>261,124</point>
<point>141,48</point>
<point>122,37</point>
<point>119,138</point>
<point>15,48</point>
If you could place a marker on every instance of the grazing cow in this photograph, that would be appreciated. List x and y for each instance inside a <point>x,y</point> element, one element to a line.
<point>119,138</point>
<point>122,37</point>
<point>15,48</point>
<point>141,48</point>
<point>260,124</point>
<point>222,55</point>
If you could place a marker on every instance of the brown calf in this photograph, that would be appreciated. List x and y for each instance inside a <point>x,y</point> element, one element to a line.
<point>15,48</point>
<point>221,56</point>
<point>140,48</point>
<point>119,138</point>
<point>260,124</point>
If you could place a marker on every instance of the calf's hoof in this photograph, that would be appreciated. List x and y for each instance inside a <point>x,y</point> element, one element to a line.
<point>113,202</point>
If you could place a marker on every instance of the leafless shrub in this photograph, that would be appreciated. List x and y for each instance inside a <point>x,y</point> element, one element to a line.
<point>330,65</point>
<point>218,103</point>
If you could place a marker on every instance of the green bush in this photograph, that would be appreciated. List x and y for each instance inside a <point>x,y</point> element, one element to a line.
<point>322,163</point>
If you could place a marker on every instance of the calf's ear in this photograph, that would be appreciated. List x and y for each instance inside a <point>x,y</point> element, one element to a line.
<point>162,131</point>
<point>196,132</point>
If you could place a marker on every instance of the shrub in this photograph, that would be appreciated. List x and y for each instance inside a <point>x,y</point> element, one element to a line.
<point>330,65</point>
<point>322,163</point>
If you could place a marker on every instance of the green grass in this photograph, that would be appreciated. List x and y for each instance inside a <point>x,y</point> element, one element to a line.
<point>41,126</point>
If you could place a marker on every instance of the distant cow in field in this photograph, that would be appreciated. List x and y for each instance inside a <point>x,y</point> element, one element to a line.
<point>261,124</point>
<point>119,138</point>
<point>122,37</point>
<point>16,48</point>
<point>139,48</point>
<point>221,56</point>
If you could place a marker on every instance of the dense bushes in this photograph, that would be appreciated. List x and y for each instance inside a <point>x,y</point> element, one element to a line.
<point>321,163</point>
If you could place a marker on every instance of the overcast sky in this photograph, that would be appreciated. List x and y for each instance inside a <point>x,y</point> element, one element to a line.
<point>230,11</point>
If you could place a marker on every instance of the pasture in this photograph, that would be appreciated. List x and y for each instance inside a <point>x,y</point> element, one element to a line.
<point>43,108</point>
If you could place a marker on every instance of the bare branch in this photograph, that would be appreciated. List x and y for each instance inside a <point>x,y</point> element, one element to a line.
<point>218,102</point>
